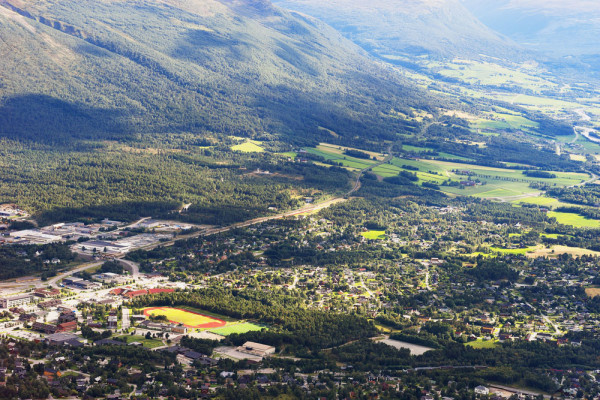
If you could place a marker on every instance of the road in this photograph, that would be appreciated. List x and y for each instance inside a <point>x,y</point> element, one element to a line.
<point>357,183</point>
<point>366,288</point>
<point>547,320</point>
<point>125,322</point>
<point>133,268</point>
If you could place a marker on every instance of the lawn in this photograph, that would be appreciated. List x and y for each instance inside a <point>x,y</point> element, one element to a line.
<point>374,235</point>
<point>149,343</point>
<point>188,318</point>
<point>238,328</point>
<point>575,220</point>
<point>483,344</point>
<point>248,147</point>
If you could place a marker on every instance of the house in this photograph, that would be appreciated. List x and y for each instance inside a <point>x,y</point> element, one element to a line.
<point>482,390</point>
<point>14,301</point>
<point>46,328</point>
<point>70,326</point>
<point>49,304</point>
<point>59,339</point>
<point>28,317</point>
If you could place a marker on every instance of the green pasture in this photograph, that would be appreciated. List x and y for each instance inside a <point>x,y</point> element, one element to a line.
<point>575,220</point>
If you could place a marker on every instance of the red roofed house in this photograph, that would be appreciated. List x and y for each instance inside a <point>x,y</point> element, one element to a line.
<point>136,293</point>
<point>70,326</point>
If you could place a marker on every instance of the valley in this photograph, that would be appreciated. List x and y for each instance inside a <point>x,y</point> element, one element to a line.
<point>298,200</point>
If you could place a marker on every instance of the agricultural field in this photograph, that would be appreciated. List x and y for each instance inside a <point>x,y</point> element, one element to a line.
<point>238,328</point>
<point>496,183</point>
<point>499,182</point>
<point>352,163</point>
<point>592,291</point>
<point>191,319</point>
<point>557,250</point>
<point>250,146</point>
<point>575,220</point>
<point>374,235</point>
<point>488,74</point>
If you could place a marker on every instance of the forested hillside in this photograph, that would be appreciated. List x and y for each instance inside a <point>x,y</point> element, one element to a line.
<point>121,70</point>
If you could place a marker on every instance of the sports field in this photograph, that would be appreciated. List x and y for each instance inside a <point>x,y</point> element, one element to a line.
<point>238,328</point>
<point>188,318</point>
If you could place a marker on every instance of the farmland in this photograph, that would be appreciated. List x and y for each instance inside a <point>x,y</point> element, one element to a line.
<point>575,220</point>
<point>250,146</point>
<point>486,182</point>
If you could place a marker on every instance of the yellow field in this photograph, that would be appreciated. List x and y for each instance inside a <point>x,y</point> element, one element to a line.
<point>558,250</point>
<point>248,147</point>
<point>592,292</point>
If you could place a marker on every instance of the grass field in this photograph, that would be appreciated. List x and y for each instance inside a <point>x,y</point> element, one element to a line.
<point>188,318</point>
<point>482,344</point>
<point>575,220</point>
<point>238,328</point>
<point>514,251</point>
<point>149,343</point>
<point>248,147</point>
<point>374,235</point>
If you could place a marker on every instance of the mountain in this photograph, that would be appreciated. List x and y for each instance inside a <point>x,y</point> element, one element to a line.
<point>439,28</point>
<point>126,70</point>
<point>557,28</point>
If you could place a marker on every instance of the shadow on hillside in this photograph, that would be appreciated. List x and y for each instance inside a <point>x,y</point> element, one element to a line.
<point>200,46</point>
<point>45,119</point>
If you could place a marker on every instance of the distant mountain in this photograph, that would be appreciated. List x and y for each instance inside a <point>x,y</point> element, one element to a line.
<point>389,28</point>
<point>555,27</point>
<point>88,69</point>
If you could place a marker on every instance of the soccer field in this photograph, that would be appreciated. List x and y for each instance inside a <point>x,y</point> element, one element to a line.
<point>188,318</point>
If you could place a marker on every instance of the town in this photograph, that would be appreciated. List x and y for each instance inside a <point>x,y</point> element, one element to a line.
<point>418,292</point>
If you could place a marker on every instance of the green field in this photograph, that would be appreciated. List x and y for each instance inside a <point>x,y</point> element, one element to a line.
<point>149,343</point>
<point>483,344</point>
<point>238,328</point>
<point>500,182</point>
<point>374,235</point>
<point>575,220</point>
<point>514,251</point>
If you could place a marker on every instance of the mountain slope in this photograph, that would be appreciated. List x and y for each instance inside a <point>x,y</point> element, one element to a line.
<point>558,28</point>
<point>441,28</point>
<point>119,70</point>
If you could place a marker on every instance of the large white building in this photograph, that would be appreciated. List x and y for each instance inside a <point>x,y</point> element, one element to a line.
<point>256,349</point>
<point>14,301</point>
